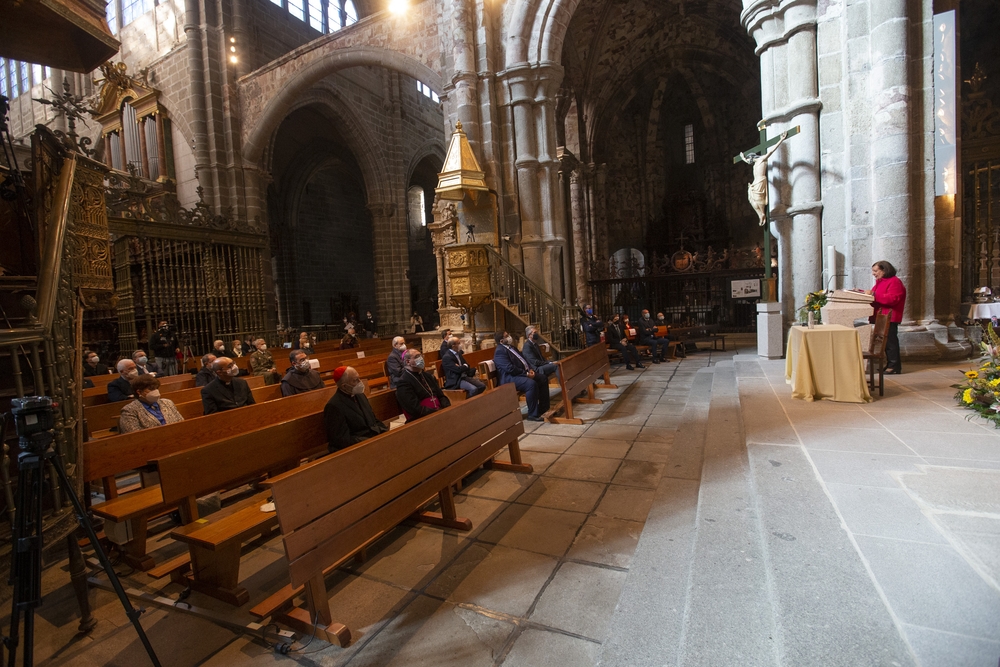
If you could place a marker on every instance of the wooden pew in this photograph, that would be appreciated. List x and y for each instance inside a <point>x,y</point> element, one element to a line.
<point>99,395</point>
<point>380,483</point>
<point>102,380</point>
<point>106,458</point>
<point>104,416</point>
<point>577,372</point>
<point>214,542</point>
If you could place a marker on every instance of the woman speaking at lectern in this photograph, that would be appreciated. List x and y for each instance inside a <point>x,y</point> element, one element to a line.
<point>890,297</point>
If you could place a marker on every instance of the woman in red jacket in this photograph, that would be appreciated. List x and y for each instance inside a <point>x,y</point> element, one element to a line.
<point>890,297</point>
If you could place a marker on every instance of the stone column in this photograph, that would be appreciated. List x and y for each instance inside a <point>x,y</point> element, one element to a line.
<point>464,95</point>
<point>196,94</point>
<point>581,244</point>
<point>392,264</point>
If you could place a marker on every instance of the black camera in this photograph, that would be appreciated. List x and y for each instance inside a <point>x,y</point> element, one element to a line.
<point>34,419</point>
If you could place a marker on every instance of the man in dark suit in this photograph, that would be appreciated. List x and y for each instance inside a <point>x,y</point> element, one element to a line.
<point>92,366</point>
<point>532,351</point>
<point>144,365</point>
<point>394,364</point>
<point>592,326</point>
<point>119,389</point>
<point>445,335</point>
<point>418,392</point>
<point>219,349</point>
<point>348,415</point>
<point>457,373</point>
<point>515,368</point>
<point>205,373</point>
<point>615,336</point>
<point>226,391</point>
<point>647,336</point>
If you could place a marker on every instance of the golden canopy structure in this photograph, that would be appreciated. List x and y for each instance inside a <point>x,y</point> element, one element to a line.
<point>66,34</point>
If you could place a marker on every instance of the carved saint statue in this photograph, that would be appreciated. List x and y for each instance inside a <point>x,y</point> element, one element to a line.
<point>757,190</point>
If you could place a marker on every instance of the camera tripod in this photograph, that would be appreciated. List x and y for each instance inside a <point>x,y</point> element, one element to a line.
<point>26,540</point>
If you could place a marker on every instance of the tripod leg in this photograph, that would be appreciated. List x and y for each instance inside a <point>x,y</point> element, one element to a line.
<point>130,611</point>
<point>78,575</point>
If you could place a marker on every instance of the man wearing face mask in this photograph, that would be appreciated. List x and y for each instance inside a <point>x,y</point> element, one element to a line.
<point>119,389</point>
<point>205,373</point>
<point>515,369</point>
<point>143,364</point>
<point>148,410</point>
<point>394,363</point>
<point>618,341</point>
<point>226,391</point>
<point>348,415</point>
<point>647,336</point>
<point>163,344</point>
<point>418,392</point>
<point>592,327</point>
<point>457,373</point>
<point>301,377</point>
<point>661,321</point>
<point>532,351</point>
<point>262,364</point>
<point>92,366</point>
<point>371,329</point>
<point>219,350</point>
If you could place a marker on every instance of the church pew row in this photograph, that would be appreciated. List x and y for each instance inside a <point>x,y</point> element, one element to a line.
<point>99,395</point>
<point>102,380</point>
<point>106,458</point>
<point>190,408</point>
<point>104,416</point>
<point>212,563</point>
<point>580,372</point>
<point>381,482</point>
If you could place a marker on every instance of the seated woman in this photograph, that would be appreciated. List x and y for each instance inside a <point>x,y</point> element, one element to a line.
<point>148,409</point>
<point>350,339</point>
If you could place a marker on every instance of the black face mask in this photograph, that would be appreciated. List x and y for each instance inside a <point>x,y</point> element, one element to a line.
<point>535,337</point>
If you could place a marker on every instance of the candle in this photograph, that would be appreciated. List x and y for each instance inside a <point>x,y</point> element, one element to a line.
<point>831,267</point>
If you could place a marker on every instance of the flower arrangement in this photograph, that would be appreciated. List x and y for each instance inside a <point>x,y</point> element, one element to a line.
<point>814,301</point>
<point>981,390</point>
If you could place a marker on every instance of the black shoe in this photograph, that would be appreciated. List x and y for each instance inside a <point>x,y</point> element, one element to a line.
<point>656,361</point>
<point>529,418</point>
<point>639,366</point>
<point>629,368</point>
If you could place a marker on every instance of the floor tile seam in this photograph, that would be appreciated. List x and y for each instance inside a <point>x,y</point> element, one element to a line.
<point>879,590</point>
<point>898,539</point>
<point>991,640</point>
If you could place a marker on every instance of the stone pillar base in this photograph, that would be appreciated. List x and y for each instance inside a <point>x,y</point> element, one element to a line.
<point>933,342</point>
<point>770,331</point>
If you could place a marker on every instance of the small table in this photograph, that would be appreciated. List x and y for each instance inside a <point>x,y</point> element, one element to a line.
<point>980,311</point>
<point>825,363</point>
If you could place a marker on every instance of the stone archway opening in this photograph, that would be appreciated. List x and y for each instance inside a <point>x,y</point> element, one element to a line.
<point>419,211</point>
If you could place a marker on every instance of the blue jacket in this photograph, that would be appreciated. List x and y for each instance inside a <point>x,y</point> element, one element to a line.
<point>508,365</point>
<point>592,328</point>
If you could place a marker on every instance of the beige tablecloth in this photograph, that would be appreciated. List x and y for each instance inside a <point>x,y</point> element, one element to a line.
<point>826,363</point>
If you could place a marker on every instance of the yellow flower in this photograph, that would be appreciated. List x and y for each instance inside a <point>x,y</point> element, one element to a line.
<point>972,375</point>
<point>994,382</point>
<point>967,396</point>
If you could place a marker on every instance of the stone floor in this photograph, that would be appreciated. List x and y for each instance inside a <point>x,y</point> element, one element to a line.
<point>699,517</point>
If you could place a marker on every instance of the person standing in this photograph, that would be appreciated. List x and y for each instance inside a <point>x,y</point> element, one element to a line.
<point>416,323</point>
<point>890,298</point>
<point>371,329</point>
<point>226,391</point>
<point>165,348</point>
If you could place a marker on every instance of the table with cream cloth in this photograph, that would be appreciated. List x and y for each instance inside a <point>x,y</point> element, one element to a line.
<point>825,363</point>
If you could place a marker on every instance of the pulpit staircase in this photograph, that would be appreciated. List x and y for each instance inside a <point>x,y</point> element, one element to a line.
<point>528,302</point>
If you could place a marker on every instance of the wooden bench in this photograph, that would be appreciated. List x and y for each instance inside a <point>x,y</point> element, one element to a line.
<point>214,542</point>
<point>380,483</point>
<point>99,395</point>
<point>578,372</point>
<point>106,458</point>
<point>708,333</point>
<point>105,416</point>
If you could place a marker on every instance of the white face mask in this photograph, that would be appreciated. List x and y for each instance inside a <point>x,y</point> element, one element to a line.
<point>132,374</point>
<point>234,371</point>
<point>262,348</point>
<point>645,316</point>
<point>141,361</point>
<point>303,367</point>
<point>92,361</point>
<point>151,396</point>
<point>358,389</point>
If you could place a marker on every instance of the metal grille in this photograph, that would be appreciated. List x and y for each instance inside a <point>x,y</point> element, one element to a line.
<point>981,228</point>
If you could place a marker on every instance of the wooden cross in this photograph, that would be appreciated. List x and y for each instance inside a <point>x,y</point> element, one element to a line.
<point>761,150</point>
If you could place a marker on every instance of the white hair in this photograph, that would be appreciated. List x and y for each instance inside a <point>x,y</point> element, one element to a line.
<point>123,364</point>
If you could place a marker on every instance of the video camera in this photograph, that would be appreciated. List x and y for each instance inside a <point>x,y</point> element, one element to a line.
<point>34,420</point>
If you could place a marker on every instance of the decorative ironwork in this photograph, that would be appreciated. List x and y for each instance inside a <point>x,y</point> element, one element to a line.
<point>682,261</point>
<point>72,108</point>
<point>981,228</point>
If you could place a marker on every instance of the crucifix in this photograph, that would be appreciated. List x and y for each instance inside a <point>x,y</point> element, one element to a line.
<point>757,157</point>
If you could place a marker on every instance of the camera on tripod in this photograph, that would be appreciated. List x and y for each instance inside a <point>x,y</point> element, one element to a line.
<point>34,420</point>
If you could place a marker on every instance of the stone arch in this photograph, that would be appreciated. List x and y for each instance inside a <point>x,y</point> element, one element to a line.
<point>277,107</point>
<point>430,148</point>
<point>537,30</point>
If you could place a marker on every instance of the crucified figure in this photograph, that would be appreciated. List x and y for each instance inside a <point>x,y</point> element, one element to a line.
<point>757,190</point>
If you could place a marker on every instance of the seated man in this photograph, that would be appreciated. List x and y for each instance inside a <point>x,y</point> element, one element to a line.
<point>301,377</point>
<point>148,409</point>
<point>617,341</point>
<point>350,339</point>
<point>515,368</point>
<point>226,391</point>
<point>143,364</point>
<point>120,389</point>
<point>93,366</point>
<point>394,363</point>
<point>647,336</point>
<point>457,373</point>
<point>445,346</point>
<point>219,350</point>
<point>348,414</point>
<point>532,351</point>
<point>418,392</point>
<point>592,326</point>
<point>205,373</point>
<point>262,364</point>
<point>662,322</point>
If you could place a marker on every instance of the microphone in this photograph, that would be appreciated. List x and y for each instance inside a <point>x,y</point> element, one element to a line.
<point>836,275</point>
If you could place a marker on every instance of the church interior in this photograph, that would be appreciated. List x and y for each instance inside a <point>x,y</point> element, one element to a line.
<point>699,294</point>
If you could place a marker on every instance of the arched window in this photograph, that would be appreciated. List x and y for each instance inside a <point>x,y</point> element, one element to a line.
<point>416,208</point>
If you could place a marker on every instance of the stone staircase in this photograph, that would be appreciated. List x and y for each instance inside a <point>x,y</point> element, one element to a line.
<point>743,560</point>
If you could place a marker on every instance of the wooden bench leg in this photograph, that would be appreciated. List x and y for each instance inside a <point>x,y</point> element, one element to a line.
<point>515,464</point>
<point>567,406</point>
<point>317,618</point>
<point>607,382</point>
<point>134,551</point>
<point>447,517</point>
<point>217,573</point>
<point>590,397</point>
